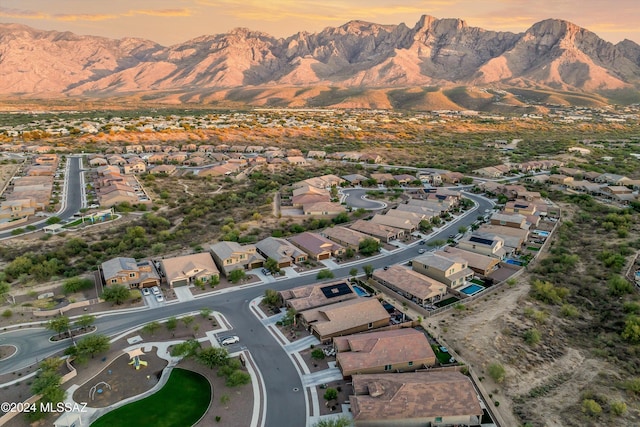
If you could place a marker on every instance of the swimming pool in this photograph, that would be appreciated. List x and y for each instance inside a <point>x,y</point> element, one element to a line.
<point>512,261</point>
<point>472,289</point>
<point>542,233</point>
<point>361,292</point>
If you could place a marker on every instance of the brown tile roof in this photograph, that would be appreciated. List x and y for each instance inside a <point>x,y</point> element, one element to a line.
<point>377,349</point>
<point>314,244</point>
<point>412,282</point>
<point>307,297</point>
<point>413,395</point>
<point>342,316</point>
<point>346,235</point>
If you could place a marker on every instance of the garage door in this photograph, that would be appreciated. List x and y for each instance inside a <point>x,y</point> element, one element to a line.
<point>323,256</point>
<point>177,283</point>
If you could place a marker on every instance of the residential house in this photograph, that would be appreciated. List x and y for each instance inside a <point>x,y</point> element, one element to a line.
<point>381,178</point>
<point>451,177</point>
<point>382,232</point>
<point>612,179</point>
<point>404,178</point>
<point>355,179</point>
<point>421,289</point>
<point>482,265</point>
<point>230,256</point>
<point>98,161</point>
<point>399,350</point>
<point>157,158</point>
<point>409,226</point>
<point>316,154</point>
<point>317,246</point>
<point>345,318</point>
<point>317,295</point>
<point>489,172</point>
<point>283,252</point>
<point>296,160</point>
<point>185,270</point>
<point>322,209</point>
<point>521,207</point>
<point>10,210</point>
<point>489,245</point>
<point>163,170</point>
<point>415,399</point>
<point>370,158</point>
<point>129,272</point>
<point>347,237</point>
<point>307,194</point>
<point>514,238</point>
<point>424,212</point>
<point>514,220</point>
<point>453,272</point>
<point>116,160</point>
<point>135,167</point>
<point>561,180</point>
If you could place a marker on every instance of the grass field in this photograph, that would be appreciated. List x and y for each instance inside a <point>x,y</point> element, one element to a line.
<point>181,402</point>
<point>447,301</point>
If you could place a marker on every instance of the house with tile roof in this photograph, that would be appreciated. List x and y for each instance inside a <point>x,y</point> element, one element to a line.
<point>317,295</point>
<point>415,399</point>
<point>398,350</point>
<point>317,246</point>
<point>129,272</point>
<point>453,272</point>
<point>282,251</point>
<point>230,256</point>
<point>184,270</point>
<point>346,237</point>
<point>421,289</point>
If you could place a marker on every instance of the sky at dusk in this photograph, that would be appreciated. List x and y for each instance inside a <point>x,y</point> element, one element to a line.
<point>170,22</point>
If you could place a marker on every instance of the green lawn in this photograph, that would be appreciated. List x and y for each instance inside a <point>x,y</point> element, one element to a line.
<point>442,357</point>
<point>477,282</point>
<point>181,402</point>
<point>446,302</point>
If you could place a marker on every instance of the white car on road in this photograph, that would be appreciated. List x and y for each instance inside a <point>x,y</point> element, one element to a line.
<point>230,340</point>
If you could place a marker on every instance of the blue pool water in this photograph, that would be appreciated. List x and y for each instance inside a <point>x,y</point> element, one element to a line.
<point>542,233</point>
<point>512,261</point>
<point>361,292</point>
<point>472,289</point>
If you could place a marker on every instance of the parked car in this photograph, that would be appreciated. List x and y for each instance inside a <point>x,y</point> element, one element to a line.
<point>386,267</point>
<point>155,290</point>
<point>159,298</point>
<point>230,340</point>
<point>421,251</point>
<point>146,291</point>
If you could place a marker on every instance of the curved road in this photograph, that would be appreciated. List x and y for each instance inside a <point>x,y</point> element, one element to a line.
<point>284,407</point>
<point>356,198</point>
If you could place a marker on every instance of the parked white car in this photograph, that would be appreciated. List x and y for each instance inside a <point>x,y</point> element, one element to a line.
<point>159,298</point>
<point>230,340</point>
<point>155,290</point>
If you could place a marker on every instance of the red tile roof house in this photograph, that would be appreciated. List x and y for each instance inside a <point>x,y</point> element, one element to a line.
<point>398,350</point>
<point>345,318</point>
<point>415,399</point>
<point>316,246</point>
<point>317,295</point>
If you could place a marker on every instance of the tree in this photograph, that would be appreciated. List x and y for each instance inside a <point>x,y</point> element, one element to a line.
<point>89,346</point>
<point>171,324</point>
<point>238,378</point>
<point>212,357</point>
<point>289,317</point>
<point>116,294</point>
<point>46,380</point>
<point>317,354</point>
<point>369,246</point>
<point>85,321</point>
<point>330,394</point>
<point>353,272</point>
<point>214,280</point>
<point>467,180</point>
<point>151,327</point>
<point>368,270</point>
<point>186,349</point>
<point>187,320</point>
<point>206,312</point>
<point>462,229</point>
<point>631,331</point>
<point>324,274</point>
<point>76,284</point>
<point>425,226</point>
<point>272,265</point>
<point>58,324</point>
<point>271,298</point>
<point>53,220</point>
<point>236,275</point>
<point>496,372</point>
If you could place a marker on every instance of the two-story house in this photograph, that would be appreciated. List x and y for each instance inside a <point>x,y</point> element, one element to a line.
<point>485,244</point>
<point>230,256</point>
<point>129,272</point>
<point>184,270</point>
<point>453,272</point>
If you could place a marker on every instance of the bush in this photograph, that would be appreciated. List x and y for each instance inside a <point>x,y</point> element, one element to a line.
<point>591,407</point>
<point>238,378</point>
<point>532,337</point>
<point>569,310</point>
<point>325,274</point>
<point>236,275</point>
<point>330,394</point>
<point>548,293</point>
<point>618,408</point>
<point>317,354</point>
<point>7,313</point>
<point>497,372</point>
<point>76,284</point>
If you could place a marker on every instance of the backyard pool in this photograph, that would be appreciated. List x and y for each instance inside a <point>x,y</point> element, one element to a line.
<point>542,233</point>
<point>512,261</point>
<point>472,289</point>
<point>361,292</point>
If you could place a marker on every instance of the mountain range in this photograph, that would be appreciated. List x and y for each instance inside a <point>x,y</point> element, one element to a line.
<point>437,63</point>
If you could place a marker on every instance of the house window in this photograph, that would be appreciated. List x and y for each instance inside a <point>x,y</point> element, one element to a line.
<point>370,325</point>
<point>410,363</point>
<point>132,274</point>
<point>387,367</point>
<point>301,259</point>
<point>438,419</point>
<point>114,280</point>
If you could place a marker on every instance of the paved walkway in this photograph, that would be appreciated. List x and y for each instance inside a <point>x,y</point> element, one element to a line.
<point>321,377</point>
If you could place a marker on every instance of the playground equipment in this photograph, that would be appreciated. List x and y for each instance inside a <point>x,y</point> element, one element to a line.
<point>95,389</point>
<point>134,356</point>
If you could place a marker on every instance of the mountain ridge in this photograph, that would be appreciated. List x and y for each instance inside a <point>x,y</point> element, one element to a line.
<point>552,54</point>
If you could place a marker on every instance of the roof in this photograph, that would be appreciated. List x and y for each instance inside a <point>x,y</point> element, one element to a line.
<point>369,227</point>
<point>187,266</point>
<point>112,267</point>
<point>373,349</point>
<point>314,244</point>
<point>474,260</point>
<point>328,207</point>
<point>336,318</point>
<point>393,221</point>
<point>317,295</point>
<point>413,395</point>
<point>410,281</point>
<point>438,261</point>
<point>346,235</point>
<point>278,249</point>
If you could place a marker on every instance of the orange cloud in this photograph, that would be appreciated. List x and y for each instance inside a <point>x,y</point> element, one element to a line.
<point>22,14</point>
<point>83,17</point>
<point>159,12</point>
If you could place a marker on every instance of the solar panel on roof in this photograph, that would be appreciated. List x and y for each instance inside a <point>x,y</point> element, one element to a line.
<point>480,240</point>
<point>521,206</point>
<point>336,290</point>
